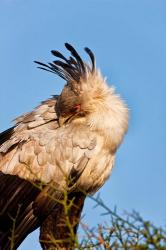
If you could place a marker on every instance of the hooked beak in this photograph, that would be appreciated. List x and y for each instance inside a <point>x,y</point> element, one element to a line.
<point>63,120</point>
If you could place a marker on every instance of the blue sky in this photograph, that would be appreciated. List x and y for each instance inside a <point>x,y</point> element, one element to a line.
<point>129,40</point>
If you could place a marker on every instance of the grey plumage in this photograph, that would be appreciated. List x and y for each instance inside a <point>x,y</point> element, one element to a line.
<point>68,143</point>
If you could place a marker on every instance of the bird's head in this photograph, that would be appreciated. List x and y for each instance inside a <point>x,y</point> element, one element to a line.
<point>86,93</point>
<point>79,76</point>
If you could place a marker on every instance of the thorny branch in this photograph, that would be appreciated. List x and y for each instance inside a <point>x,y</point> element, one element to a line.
<point>128,232</point>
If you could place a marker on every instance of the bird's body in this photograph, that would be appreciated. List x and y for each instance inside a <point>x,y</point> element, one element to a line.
<point>68,143</point>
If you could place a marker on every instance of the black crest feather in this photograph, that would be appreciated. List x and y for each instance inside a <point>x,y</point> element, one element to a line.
<point>72,68</point>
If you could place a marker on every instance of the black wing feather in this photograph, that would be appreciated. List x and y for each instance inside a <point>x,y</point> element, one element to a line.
<point>27,203</point>
<point>5,135</point>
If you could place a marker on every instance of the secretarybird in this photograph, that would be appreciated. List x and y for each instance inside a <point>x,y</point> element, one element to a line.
<point>65,147</point>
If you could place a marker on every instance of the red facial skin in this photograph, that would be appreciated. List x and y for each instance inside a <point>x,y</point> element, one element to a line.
<point>77,107</point>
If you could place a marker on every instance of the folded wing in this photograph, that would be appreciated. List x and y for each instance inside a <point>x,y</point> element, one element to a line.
<point>38,161</point>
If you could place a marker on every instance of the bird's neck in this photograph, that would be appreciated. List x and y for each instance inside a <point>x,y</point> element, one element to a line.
<point>110,120</point>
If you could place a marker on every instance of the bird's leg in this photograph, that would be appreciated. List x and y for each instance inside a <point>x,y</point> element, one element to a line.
<point>59,230</point>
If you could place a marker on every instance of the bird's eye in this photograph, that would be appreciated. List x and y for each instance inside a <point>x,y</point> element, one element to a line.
<point>76,108</point>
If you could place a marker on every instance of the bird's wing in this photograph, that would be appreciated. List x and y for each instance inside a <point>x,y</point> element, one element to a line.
<point>21,209</point>
<point>20,146</point>
<point>37,157</point>
<point>18,215</point>
<point>38,149</point>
